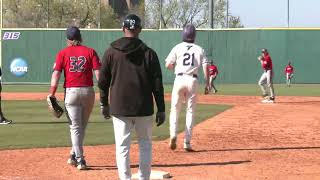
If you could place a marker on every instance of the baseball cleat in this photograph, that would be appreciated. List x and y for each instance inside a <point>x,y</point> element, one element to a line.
<point>82,165</point>
<point>5,121</point>
<point>173,143</point>
<point>268,100</point>
<point>187,147</point>
<point>72,160</point>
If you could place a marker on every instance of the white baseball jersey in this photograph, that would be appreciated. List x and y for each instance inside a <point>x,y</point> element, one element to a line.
<point>187,57</point>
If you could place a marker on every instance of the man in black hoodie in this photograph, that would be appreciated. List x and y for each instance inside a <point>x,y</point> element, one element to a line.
<point>132,73</point>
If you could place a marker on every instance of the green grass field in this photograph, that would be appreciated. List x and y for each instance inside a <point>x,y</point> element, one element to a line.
<point>35,127</point>
<point>224,89</point>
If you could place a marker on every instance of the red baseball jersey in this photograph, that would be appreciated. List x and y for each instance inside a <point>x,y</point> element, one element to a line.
<point>213,69</point>
<point>288,69</point>
<point>267,62</point>
<point>77,62</point>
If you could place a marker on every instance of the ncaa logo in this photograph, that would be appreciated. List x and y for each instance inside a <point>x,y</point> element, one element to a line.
<point>18,67</point>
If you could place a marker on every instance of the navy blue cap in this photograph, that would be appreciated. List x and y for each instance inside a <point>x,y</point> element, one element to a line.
<point>131,22</point>
<point>73,33</point>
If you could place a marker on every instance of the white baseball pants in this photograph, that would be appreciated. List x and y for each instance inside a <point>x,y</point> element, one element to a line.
<point>266,81</point>
<point>122,133</point>
<point>79,103</point>
<point>184,89</point>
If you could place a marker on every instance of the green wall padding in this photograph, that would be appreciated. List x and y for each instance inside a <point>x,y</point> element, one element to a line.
<point>234,51</point>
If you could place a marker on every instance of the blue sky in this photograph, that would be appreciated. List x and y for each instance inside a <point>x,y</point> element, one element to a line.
<point>273,13</point>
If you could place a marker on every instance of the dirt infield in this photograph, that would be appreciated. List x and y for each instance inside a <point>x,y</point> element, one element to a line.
<point>249,141</point>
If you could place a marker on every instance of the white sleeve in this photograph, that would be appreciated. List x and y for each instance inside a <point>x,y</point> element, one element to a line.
<point>172,57</point>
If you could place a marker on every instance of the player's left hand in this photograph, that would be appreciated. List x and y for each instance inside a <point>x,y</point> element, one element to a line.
<point>160,118</point>
<point>54,106</point>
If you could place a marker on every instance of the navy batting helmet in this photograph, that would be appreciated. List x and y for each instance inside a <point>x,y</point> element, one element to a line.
<point>131,22</point>
<point>189,33</point>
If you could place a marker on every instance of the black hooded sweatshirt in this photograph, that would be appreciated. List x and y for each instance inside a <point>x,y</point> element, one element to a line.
<point>132,73</point>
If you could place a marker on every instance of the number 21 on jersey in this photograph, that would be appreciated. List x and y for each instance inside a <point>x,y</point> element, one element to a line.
<point>188,58</point>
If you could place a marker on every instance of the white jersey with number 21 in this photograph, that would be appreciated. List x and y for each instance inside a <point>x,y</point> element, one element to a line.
<point>187,58</point>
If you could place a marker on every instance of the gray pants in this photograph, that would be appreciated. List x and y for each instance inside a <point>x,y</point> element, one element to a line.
<point>79,103</point>
<point>266,81</point>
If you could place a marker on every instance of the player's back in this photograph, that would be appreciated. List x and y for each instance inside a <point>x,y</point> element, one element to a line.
<point>188,58</point>
<point>77,63</point>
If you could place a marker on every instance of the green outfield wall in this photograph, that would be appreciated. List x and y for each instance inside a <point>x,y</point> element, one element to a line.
<point>234,51</point>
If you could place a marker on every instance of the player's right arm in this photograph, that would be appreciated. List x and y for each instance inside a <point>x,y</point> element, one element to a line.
<point>171,59</point>
<point>54,82</point>
<point>56,74</point>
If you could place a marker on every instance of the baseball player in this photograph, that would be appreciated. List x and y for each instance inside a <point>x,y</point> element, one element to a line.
<point>3,120</point>
<point>213,72</point>
<point>131,97</point>
<point>185,58</point>
<point>289,73</point>
<point>266,77</point>
<point>78,63</point>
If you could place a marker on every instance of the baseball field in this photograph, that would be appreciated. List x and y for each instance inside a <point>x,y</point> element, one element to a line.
<point>236,137</point>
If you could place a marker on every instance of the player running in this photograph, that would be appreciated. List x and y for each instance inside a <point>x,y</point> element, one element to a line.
<point>266,77</point>
<point>78,63</point>
<point>213,72</point>
<point>289,73</point>
<point>186,58</point>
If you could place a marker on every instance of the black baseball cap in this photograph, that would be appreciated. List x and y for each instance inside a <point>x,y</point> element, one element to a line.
<point>264,50</point>
<point>131,22</point>
<point>73,33</point>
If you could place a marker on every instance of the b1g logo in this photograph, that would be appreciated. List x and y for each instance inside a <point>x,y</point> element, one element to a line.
<point>11,35</point>
<point>18,67</point>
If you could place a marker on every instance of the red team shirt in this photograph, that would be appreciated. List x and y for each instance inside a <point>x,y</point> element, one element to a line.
<point>77,63</point>
<point>267,62</point>
<point>212,70</point>
<point>288,69</point>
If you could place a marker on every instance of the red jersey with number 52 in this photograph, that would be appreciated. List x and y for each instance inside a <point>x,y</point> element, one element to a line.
<point>77,62</point>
